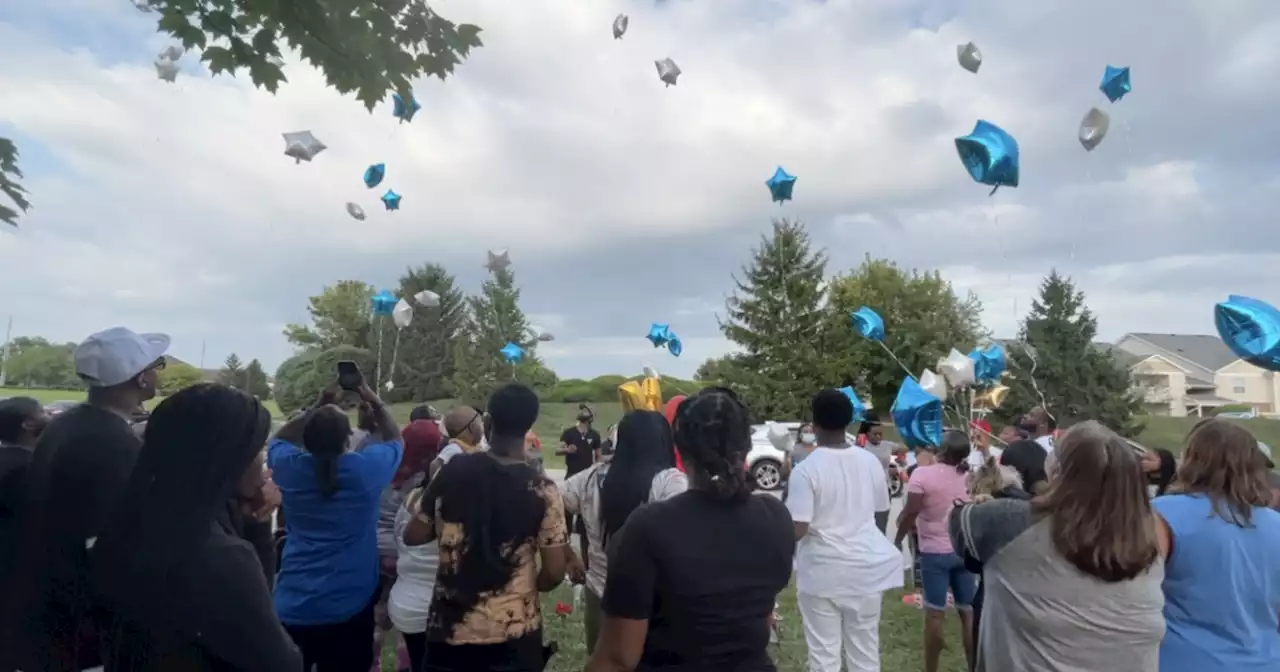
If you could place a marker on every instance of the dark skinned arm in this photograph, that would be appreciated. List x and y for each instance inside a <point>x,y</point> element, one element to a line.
<point>907,521</point>
<point>386,428</point>
<point>620,645</point>
<point>292,430</point>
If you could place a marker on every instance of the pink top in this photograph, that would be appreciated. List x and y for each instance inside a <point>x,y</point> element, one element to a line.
<point>940,485</point>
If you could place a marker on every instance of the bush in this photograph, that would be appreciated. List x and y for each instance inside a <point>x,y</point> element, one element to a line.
<point>301,377</point>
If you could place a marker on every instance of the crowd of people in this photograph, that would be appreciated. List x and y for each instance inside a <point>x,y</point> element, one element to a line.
<point>203,543</point>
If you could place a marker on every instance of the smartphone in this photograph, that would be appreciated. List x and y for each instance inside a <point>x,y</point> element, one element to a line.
<point>349,376</point>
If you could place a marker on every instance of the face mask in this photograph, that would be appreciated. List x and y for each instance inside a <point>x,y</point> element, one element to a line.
<point>808,438</point>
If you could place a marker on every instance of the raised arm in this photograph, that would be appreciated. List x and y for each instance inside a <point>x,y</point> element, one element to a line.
<point>385,426</point>
<point>292,430</point>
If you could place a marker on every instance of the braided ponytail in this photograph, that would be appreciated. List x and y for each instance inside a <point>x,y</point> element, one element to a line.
<point>713,432</point>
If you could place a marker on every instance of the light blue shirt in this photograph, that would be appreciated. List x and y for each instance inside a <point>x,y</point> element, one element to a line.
<point>1222,589</point>
<point>329,569</point>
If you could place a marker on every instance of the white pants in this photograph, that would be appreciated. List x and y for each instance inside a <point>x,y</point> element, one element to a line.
<point>853,622</point>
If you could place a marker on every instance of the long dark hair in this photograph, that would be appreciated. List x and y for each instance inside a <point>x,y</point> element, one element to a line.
<point>713,432</point>
<point>325,436</point>
<point>197,446</point>
<point>645,448</point>
<point>499,508</point>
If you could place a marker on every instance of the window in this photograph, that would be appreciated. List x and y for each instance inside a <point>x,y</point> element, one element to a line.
<point>1237,385</point>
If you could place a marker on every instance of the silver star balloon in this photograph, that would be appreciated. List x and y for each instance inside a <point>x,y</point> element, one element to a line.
<point>668,71</point>
<point>355,211</point>
<point>969,56</point>
<point>166,70</point>
<point>302,146</point>
<point>620,26</point>
<point>143,5</point>
<point>1093,128</point>
<point>172,52</point>
<point>498,262</point>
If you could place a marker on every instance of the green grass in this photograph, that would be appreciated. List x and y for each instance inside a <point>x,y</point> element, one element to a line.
<point>901,635</point>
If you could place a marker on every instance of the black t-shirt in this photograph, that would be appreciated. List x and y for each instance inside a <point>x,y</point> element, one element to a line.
<point>587,443</point>
<point>79,470</point>
<point>1027,458</point>
<point>706,574</point>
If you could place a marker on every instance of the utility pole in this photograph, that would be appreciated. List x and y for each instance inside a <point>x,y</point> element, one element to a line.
<point>4,361</point>
<point>202,344</point>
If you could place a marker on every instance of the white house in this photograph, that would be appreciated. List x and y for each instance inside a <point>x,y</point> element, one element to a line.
<point>1180,375</point>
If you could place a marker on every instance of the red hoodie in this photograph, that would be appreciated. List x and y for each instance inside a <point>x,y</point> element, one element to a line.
<point>669,411</point>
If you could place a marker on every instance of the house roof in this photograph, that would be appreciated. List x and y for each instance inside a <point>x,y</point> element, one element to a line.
<point>1205,351</point>
<point>1209,399</point>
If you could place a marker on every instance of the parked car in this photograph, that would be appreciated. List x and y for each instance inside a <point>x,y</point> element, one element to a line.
<point>764,462</point>
<point>60,406</point>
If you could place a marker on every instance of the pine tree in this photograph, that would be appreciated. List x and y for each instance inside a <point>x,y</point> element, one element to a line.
<point>775,317</point>
<point>427,360</point>
<point>232,374</point>
<point>255,380</point>
<point>494,319</point>
<point>1078,380</point>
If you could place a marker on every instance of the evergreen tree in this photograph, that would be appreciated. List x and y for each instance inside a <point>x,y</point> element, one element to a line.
<point>1079,381</point>
<point>427,360</point>
<point>232,374</point>
<point>255,380</point>
<point>494,319</point>
<point>775,317</point>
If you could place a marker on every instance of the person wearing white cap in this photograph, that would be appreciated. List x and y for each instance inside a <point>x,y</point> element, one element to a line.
<point>80,466</point>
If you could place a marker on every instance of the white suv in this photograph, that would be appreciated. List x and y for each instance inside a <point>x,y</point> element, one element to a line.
<point>764,462</point>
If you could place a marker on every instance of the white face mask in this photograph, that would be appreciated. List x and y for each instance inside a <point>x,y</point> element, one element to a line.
<point>808,438</point>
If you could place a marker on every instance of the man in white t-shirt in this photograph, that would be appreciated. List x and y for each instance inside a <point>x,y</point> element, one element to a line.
<point>1039,425</point>
<point>844,563</point>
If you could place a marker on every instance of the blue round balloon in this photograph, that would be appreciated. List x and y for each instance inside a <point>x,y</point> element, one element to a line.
<point>990,155</point>
<point>1251,329</point>
<point>373,174</point>
<point>674,345</point>
<point>868,323</point>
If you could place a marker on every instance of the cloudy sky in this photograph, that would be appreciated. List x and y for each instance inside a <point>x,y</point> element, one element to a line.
<point>169,207</point>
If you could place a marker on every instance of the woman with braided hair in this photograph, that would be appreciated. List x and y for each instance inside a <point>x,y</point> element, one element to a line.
<point>716,554</point>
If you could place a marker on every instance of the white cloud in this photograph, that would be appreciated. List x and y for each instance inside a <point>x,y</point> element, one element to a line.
<point>171,207</point>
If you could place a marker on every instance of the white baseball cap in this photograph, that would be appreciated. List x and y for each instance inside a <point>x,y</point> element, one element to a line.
<point>1266,450</point>
<point>111,357</point>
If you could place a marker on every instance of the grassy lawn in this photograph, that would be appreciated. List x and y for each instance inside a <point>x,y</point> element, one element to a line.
<point>900,637</point>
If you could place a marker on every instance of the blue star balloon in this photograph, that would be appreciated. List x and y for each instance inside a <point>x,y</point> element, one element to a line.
<point>989,363</point>
<point>1251,328</point>
<point>391,199</point>
<point>674,346</point>
<point>1115,83</point>
<point>859,408</point>
<point>512,353</point>
<point>780,185</point>
<point>384,303</point>
<point>990,155</point>
<point>868,323</point>
<point>373,174</point>
<point>917,415</point>
<point>404,110</point>
<point>659,334</point>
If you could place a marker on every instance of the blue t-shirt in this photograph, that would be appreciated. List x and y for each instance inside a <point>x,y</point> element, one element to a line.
<point>1221,589</point>
<point>329,570</point>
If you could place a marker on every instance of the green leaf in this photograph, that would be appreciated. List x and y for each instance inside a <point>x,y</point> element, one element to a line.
<point>220,59</point>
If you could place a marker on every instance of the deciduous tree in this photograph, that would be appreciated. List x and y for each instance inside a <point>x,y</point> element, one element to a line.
<point>923,319</point>
<point>177,375</point>
<point>340,315</point>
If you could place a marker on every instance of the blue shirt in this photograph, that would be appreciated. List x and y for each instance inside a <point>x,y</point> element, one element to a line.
<point>1221,588</point>
<point>329,570</point>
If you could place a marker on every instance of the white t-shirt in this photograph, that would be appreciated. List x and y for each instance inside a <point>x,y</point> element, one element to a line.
<point>838,492</point>
<point>1046,442</point>
<point>977,459</point>
<point>409,602</point>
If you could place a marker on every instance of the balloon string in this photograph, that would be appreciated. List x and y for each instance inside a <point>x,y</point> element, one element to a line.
<point>395,354</point>
<point>1032,375</point>
<point>899,361</point>
<point>378,374</point>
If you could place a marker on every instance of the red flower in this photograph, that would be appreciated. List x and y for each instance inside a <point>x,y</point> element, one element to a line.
<point>563,609</point>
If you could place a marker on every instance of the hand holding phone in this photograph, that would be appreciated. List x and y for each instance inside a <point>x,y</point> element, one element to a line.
<point>349,376</point>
